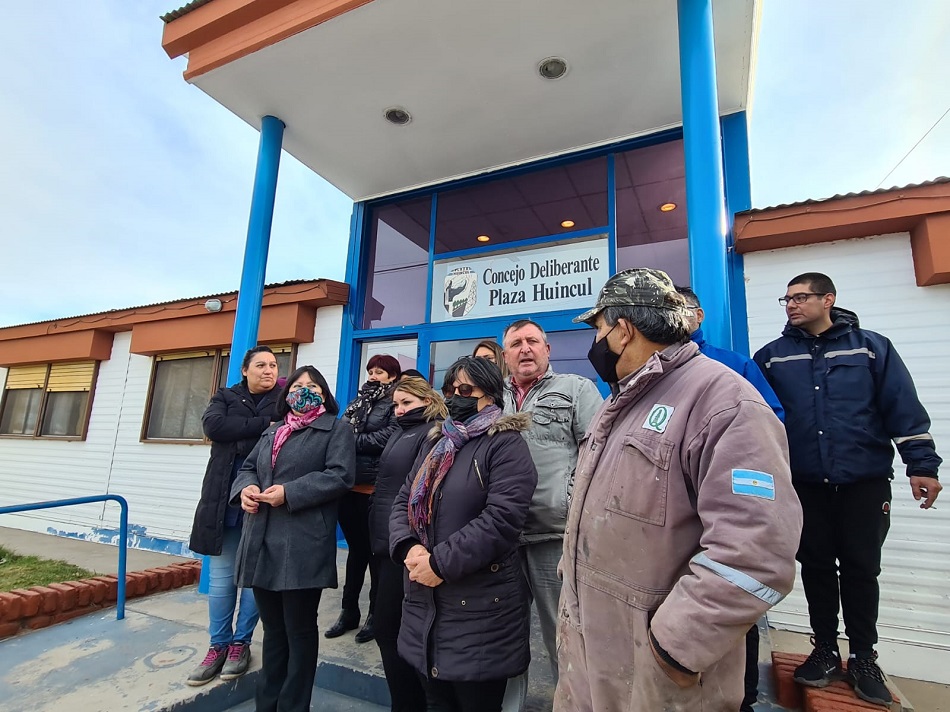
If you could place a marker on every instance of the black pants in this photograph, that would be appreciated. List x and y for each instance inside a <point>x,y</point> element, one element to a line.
<point>751,668</point>
<point>840,553</point>
<point>405,690</point>
<point>484,696</point>
<point>289,652</point>
<point>354,521</point>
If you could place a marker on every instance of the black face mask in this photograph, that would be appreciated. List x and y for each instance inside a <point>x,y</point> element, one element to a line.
<point>604,360</point>
<point>462,408</point>
<point>411,417</point>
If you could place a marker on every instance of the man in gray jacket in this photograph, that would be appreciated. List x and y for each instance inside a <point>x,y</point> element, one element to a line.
<point>683,525</point>
<point>561,406</point>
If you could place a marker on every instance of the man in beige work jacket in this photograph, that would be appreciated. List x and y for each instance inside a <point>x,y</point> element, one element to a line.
<point>683,525</point>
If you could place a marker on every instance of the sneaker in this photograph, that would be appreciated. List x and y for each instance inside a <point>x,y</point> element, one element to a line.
<point>821,668</point>
<point>209,667</point>
<point>366,633</point>
<point>348,620</point>
<point>238,659</point>
<point>868,680</point>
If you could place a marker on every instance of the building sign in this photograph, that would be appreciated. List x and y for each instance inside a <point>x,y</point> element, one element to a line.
<point>550,278</point>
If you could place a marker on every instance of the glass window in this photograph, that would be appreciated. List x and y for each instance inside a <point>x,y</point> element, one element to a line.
<point>21,410</point>
<point>64,414</point>
<point>651,210</point>
<point>569,352</point>
<point>405,350</point>
<point>445,353</point>
<point>545,202</point>
<point>398,265</point>
<point>180,391</point>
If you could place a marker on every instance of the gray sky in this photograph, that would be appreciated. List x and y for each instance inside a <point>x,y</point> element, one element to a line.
<point>120,184</point>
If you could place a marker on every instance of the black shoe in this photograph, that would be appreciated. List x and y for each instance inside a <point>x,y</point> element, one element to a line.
<point>348,620</point>
<point>821,668</point>
<point>868,680</point>
<point>366,633</point>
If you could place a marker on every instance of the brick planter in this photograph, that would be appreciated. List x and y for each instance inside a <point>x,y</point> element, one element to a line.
<point>837,697</point>
<point>40,606</point>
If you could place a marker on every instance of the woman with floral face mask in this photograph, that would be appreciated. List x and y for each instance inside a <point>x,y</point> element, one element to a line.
<point>289,489</point>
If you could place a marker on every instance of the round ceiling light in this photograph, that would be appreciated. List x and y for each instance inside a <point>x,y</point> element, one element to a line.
<point>397,115</point>
<point>552,68</point>
<point>483,238</point>
<point>667,207</point>
<point>567,223</point>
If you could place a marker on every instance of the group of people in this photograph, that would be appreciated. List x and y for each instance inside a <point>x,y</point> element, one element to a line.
<point>650,531</point>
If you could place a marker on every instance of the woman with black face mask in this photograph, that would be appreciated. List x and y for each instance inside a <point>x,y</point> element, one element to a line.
<point>455,527</point>
<point>419,412</point>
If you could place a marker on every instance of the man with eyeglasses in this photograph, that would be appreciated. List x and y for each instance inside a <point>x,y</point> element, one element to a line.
<point>846,395</point>
<point>561,407</point>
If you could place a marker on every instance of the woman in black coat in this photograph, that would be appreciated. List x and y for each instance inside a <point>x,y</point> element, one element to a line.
<point>233,422</point>
<point>418,407</point>
<point>289,488</point>
<point>371,416</point>
<point>455,527</point>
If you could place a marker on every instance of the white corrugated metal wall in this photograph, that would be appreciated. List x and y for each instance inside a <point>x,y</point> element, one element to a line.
<point>160,481</point>
<point>875,277</point>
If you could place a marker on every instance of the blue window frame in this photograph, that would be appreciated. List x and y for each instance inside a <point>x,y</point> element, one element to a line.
<point>360,254</point>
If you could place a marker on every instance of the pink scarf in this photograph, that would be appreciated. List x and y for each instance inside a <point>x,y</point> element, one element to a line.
<point>293,422</point>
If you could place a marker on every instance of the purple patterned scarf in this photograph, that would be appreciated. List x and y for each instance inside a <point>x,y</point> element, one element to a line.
<point>437,463</point>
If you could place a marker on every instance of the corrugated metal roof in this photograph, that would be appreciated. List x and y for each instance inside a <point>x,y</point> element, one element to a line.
<point>289,283</point>
<point>840,196</point>
<point>183,10</point>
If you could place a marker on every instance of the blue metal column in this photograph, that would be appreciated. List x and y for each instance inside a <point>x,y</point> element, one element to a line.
<point>705,193</point>
<point>251,294</point>
<point>735,147</point>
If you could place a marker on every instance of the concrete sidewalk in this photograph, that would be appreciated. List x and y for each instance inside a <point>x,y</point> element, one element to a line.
<point>100,558</point>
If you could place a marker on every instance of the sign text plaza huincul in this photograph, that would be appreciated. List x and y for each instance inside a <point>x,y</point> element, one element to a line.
<point>549,278</point>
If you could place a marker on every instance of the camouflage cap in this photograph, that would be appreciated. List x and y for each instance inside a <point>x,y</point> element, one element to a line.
<point>636,287</point>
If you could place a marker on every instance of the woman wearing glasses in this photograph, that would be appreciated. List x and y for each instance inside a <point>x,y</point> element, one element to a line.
<point>455,527</point>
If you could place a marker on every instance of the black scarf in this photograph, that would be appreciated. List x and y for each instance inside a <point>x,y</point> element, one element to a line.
<point>369,394</point>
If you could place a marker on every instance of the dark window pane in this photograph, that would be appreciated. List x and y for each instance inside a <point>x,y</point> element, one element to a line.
<point>179,397</point>
<point>21,409</point>
<point>569,352</point>
<point>445,353</point>
<point>398,265</point>
<point>64,413</point>
<point>283,368</point>
<point>525,206</point>
<point>648,178</point>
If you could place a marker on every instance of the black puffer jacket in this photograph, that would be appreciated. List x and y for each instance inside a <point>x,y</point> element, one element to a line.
<point>234,424</point>
<point>371,438</point>
<point>473,626</point>
<point>412,438</point>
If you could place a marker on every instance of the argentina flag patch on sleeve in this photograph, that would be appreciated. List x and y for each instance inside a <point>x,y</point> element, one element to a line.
<point>752,483</point>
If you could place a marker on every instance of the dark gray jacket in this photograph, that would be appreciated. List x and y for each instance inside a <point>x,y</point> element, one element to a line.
<point>473,626</point>
<point>294,546</point>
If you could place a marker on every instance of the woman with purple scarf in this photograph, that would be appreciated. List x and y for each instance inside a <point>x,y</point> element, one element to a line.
<point>289,489</point>
<point>455,527</point>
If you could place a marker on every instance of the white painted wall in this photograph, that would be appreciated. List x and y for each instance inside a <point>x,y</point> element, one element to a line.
<point>875,277</point>
<point>161,481</point>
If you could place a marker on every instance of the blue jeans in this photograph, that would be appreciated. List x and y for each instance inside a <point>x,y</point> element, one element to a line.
<point>223,596</point>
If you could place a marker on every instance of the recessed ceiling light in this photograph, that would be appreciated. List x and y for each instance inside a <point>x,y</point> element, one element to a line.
<point>483,238</point>
<point>397,115</point>
<point>567,223</point>
<point>667,207</point>
<point>552,68</point>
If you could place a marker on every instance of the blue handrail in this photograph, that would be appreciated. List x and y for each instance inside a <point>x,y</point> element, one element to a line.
<point>123,532</point>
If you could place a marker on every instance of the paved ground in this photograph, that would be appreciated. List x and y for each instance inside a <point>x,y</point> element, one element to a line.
<point>101,558</point>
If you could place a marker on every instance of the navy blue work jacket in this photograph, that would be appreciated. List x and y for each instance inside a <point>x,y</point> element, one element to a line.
<point>847,394</point>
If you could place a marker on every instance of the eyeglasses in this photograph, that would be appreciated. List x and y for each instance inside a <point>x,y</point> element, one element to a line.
<point>463,389</point>
<point>799,298</point>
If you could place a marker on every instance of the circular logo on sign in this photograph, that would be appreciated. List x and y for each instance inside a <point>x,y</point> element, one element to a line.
<point>460,292</point>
